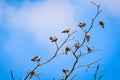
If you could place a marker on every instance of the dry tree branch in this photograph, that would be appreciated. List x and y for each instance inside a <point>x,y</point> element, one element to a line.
<point>84,40</point>
<point>57,45</point>
<point>73,67</point>
<point>73,76</point>
<point>101,76</point>
<point>55,54</point>
<point>96,73</point>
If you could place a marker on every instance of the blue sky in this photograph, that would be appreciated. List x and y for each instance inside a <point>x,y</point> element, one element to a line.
<point>25,27</point>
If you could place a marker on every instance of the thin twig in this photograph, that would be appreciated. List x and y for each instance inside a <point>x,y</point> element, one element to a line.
<point>81,54</point>
<point>94,3</point>
<point>96,72</point>
<point>38,77</point>
<point>101,76</point>
<point>85,65</point>
<point>73,76</point>
<point>88,65</point>
<point>12,76</point>
<point>57,45</point>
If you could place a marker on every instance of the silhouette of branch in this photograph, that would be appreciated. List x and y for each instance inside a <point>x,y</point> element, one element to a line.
<point>38,77</point>
<point>101,76</point>
<point>96,72</point>
<point>12,76</point>
<point>88,65</point>
<point>73,77</point>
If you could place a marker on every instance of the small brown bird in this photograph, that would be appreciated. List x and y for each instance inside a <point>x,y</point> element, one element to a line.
<point>89,49</point>
<point>77,45</point>
<point>65,71</point>
<point>53,39</point>
<point>36,58</point>
<point>67,49</point>
<point>87,37</point>
<point>81,24</point>
<point>32,73</point>
<point>101,23</point>
<point>66,30</point>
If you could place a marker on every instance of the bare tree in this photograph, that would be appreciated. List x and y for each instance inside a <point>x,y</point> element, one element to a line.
<point>74,49</point>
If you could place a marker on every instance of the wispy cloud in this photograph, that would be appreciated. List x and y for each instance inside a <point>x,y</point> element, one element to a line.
<point>50,17</point>
<point>43,19</point>
<point>40,18</point>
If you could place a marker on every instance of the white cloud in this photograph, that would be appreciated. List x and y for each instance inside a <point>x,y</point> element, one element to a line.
<point>41,19</point>
<point>46,18</point>
<point>49,17</point>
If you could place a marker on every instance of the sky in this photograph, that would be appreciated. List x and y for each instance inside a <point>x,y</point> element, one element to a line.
<point>26,25</point>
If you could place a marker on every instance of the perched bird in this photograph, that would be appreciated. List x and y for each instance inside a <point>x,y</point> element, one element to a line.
<point>87,37</point>
<point>89,49</point>
<point>66,30</point>
<point>67,49</point>
<point>32,73</point>
<point>36,58</point>
<point>101,23</point>
<point>53,39</point>
<point>81,24</point>
<point>65,71</point>
<point>77,45</point>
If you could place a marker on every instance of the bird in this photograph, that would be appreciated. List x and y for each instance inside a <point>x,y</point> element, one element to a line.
<point>65,71</point>
<point>36,58</point>
<point>66,30</point>
<point>53,39</point>
<point>77,45</point>
<point>89,49</point>
<point>87,37</point>
<point>101,23</point>
<point>32,73</point>
<point>81,24</point>
<point>67,49</point>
